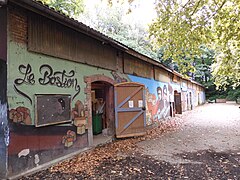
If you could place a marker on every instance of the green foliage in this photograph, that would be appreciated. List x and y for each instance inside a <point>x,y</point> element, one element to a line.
<point>202,65</point>
<point>111,21</point>
<point>229,94</point>
<point>183,27</point>
<point>233,94</point>
<point>227,36</point>
<point>198,68</point>
<point>71,8</point>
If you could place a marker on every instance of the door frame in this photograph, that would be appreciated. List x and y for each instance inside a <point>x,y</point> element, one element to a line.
<point>178,106</point>
<point>88,112</point>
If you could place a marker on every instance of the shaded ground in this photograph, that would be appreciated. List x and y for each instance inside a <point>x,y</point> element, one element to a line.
<point>204,145</point>
<point>212,126</point>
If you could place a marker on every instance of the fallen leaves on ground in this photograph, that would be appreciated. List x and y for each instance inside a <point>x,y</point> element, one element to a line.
<point>140,166</point>
<point>86,162</point>
<point>123,160</point>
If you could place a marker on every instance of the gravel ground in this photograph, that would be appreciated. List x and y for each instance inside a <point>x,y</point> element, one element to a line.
<point>209,140</point>
<point>212,126</point>
<point>206,146</point>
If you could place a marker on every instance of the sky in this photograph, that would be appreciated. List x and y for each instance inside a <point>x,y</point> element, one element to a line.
<point>142,10</point>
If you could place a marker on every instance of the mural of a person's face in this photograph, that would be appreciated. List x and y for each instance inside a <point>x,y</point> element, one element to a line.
<point>159,93</point>
<point>165,92</point>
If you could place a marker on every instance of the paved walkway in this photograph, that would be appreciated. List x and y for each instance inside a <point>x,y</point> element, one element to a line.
<point>214,127</point>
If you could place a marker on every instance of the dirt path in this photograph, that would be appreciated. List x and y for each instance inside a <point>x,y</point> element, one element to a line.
<point>206,146</point>
<point>213,127</point>
<point>210,133</point>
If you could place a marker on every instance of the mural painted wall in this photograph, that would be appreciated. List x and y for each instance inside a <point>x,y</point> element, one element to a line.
<point>34,139</point>
<point>160,96</point>
<point>157,98</point>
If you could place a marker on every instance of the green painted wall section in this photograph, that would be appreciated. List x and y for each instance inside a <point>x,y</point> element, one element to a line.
<point>18,55</point>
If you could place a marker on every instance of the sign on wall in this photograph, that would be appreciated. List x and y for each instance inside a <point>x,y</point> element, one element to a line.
<point>52,109</point>
<point>48,76</point>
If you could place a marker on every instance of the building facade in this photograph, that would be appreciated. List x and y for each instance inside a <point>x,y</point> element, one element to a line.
<point>58,77</point>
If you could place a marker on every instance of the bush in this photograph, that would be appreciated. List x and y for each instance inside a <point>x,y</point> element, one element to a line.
<point>230,94</point>
<point>233,94</point>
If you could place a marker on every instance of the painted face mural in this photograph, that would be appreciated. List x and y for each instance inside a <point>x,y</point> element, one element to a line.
<point>170,91</point>
<point>159,93</point>
<point>157,100</point>
<point>165,92</point>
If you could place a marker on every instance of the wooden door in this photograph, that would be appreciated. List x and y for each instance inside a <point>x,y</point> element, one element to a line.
<point>130,113</point>
<point>190,95</point>
<point>178,103</point>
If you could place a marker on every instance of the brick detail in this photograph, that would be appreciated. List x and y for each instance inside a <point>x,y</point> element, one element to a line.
<point>87,90</point>
<point>18,25</point>
<point>87,79</point>
<point>98,77</point>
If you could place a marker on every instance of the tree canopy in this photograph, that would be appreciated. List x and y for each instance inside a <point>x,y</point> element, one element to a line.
<point>72,8</point>
<point>182,26</point>
<point>114,20</point>
<point>178,34</point>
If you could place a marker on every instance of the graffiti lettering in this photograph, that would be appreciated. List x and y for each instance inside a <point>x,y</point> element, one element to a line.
<point>28,76</point>
<point>60,79</point>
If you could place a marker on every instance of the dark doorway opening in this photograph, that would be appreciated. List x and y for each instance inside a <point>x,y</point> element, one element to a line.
<point>177,102</point>
<point>102,110</point>
<point>190,100</point>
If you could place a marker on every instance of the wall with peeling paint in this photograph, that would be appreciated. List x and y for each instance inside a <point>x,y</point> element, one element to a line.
<point>4,139</point>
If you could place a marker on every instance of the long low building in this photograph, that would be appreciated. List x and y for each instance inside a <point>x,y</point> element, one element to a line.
<point>63,84</point>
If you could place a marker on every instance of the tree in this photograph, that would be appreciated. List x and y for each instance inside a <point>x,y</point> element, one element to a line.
<point>183,26</point>
<point>202,64</point>
<point>200,68</point>
<point>227,39</point>
<point>71,8</point>
<point>113,20</point>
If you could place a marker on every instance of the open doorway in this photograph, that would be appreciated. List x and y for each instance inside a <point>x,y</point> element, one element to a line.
<point>177,102</point>
<point>199,99</point>
<point>190,99</point>
<point>102,112</point>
